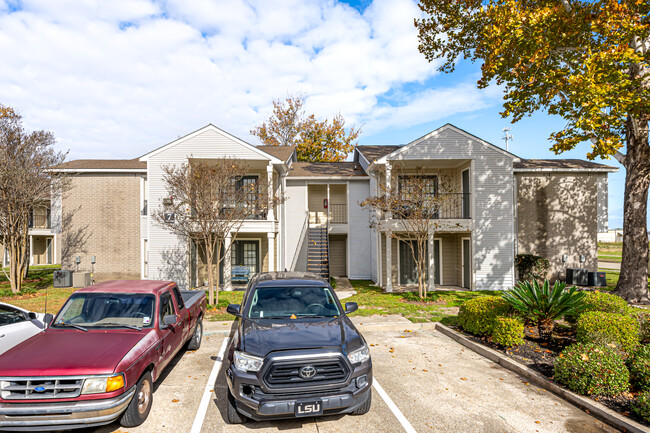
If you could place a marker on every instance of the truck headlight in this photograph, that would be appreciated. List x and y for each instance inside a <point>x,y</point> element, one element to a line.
<point>246,362</point>
<point>360,355</point>
<point>96,385</point>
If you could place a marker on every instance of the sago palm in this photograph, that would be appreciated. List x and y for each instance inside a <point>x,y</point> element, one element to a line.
<point>544,303</point>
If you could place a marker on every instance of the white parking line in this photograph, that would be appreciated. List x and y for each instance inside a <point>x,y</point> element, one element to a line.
<point>398,413</point>
<point>209,387</point>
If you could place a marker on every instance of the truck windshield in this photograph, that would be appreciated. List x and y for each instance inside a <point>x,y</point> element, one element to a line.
<point>107,310</point>
<point>293,302</point>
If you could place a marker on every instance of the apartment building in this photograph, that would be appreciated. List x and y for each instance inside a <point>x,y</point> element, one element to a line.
<point>499,205</point>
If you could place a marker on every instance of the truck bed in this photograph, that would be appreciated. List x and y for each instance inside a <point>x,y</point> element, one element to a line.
<point>191,297</point>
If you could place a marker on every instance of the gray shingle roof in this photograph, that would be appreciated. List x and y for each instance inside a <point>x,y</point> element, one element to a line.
<point>561,164</point>
<point>104,164</point>
<point>317,169</point>
<point>281,152</point>
<point>374,152</point>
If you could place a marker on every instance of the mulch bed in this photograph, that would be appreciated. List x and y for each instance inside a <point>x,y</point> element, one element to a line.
<point>540,356</point>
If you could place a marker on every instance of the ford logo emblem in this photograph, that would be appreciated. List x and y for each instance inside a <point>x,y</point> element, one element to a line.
<point>307,372</point>
<point>39,389</point>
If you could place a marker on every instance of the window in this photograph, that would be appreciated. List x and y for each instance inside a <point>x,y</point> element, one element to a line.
<point>9,316</point>
<point>294,302</point>
<point>166,306</point>
<point>179,298</point>
<point>418,191</point>
<point>245,253</point>
<point>94,310</point>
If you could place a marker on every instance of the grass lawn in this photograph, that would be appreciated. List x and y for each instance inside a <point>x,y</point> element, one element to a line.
<point>373,300</point>
<point>38,278</point>
<point>610,251</point>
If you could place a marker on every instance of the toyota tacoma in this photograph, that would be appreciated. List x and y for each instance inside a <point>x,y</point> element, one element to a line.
<point>294,352</point>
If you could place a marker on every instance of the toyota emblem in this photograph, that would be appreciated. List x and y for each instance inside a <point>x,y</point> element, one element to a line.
<point>307,372</point>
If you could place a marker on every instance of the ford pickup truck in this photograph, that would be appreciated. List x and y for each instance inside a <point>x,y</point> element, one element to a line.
<point>294,352</point>
<point>98,359</point>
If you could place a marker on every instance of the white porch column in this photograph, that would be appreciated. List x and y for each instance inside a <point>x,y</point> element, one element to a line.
<point>31,250</point>
<point>431,263</point>
<point>389,262</point>
<point>389,175</point>
<point>270,215</point>
<point>271,253</point>
<point>227,263</point>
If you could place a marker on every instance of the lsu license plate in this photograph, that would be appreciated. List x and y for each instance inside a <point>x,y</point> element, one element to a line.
<point>308,408</point>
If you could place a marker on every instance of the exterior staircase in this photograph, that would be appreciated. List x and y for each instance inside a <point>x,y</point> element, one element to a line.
<point>318,252</point>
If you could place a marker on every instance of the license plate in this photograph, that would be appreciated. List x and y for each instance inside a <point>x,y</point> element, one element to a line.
<point>309,408</point>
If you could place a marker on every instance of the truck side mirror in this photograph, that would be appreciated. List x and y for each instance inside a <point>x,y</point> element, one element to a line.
<point>170,320</point>
<point>234,309</point>
<point>351,307</point>
<point>47,319</point>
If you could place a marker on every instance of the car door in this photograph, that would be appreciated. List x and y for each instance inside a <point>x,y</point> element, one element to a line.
<point>15,327</point>
<point>183,313</point>
<point>172,335</point>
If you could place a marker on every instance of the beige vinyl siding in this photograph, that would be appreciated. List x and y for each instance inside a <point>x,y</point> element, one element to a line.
<point>317,193</point>
<point>338,256</point>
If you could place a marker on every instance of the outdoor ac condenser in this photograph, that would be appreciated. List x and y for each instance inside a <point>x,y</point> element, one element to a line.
<point>80,279</point>
<point>62,278</point>
<point>577,277</point>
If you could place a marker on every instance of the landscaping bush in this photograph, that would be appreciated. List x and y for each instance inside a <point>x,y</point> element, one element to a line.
<point>606,302</point>
<point>543,304</point>
<point>643,317</point>
<point>608,329</point>
<point>531,267</point>
<point>590,369</point>
<point>640,368</point>
<point>477,315</point>
<point>641,406</point>
<point>508,331</point>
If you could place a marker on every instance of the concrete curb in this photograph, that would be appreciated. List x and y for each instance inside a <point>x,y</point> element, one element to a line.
<point>592,407</point>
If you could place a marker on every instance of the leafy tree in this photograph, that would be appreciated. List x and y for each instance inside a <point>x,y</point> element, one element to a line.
<point>207,201</point>
<point>25,183</point>
<point>314,140</point>
<point>584,60</point>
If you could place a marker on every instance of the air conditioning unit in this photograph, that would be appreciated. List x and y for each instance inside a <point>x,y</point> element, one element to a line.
<point>597,279</point>
<point>62,278</point>
<point>577,277</point>
<point>80,279</point>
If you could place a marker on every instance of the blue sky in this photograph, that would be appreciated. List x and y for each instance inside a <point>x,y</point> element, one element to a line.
<point>116,79</point>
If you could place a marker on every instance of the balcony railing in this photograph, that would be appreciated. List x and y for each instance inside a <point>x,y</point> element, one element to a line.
<point>39,222</point>
<point>338,213</point>
<point>445,206</point>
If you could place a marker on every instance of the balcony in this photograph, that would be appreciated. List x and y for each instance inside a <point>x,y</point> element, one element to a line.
<point>447,206</point>
<point>338,214</point>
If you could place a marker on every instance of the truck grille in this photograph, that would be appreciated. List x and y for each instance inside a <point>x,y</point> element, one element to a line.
<point>36,388</point>
<point>285,375</point>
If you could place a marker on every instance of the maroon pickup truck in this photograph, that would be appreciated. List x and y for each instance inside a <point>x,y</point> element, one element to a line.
<point>99,358</point>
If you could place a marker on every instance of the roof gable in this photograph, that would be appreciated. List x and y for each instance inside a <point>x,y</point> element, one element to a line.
<point>447,128</point>
<point>205,134</point>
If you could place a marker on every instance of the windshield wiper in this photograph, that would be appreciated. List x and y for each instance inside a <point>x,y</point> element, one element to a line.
<point>316,316</point>
<point>123,325</point>
<point>79,327</point>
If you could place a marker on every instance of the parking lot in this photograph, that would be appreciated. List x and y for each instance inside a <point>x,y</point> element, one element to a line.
<point>430,384</point>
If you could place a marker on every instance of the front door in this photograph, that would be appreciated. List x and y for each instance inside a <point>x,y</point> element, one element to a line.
<point>467,264</point>
<point>408,270</point>
<point>246,253</point>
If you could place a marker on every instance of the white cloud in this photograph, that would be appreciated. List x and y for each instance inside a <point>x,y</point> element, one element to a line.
<point>115,79</point>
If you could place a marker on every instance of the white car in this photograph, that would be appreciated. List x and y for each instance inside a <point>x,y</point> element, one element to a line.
<point>17,325</point>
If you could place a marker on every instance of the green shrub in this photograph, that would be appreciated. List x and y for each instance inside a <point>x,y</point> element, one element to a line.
<point>543,304</point>
<point>640,368</point>
<point>590,369</point>
<point>508,331</point>
<point>606,302</point>
<point>608,329</point>
<point>641,406</point>
<point>477,315</point>
<point>642,316</point>
<point>531,267</point>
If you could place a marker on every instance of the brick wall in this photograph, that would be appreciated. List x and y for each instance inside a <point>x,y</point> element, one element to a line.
<point>101,217</point>
<point>557,215</point>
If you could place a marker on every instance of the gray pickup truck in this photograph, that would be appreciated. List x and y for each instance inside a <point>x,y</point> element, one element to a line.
<point>294,352</point>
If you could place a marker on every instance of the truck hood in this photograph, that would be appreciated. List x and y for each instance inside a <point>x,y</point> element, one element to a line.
<point>67,352</point>
<point>260,337</point>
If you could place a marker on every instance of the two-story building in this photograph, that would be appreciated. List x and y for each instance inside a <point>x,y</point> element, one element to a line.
<point>500,205</point>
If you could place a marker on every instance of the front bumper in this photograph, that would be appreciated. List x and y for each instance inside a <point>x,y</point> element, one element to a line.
<point>62,415</point>
<point>261,404</point>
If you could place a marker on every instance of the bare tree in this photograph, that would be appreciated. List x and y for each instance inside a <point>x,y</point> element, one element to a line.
<point>25,182</point>
<point>410,210</point>
<point>209,200</point>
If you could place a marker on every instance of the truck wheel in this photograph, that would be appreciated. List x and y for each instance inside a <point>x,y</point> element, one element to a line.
<point>138,410</point>
<point>195,341</point>
<point>234,417</point>
<point>364,408</point>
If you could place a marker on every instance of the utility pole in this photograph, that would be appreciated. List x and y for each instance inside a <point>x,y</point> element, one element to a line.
<point>507,137</point>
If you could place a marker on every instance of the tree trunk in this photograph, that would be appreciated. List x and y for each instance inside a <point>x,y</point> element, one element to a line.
<point>633,281</point>
<point>216,283</point>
